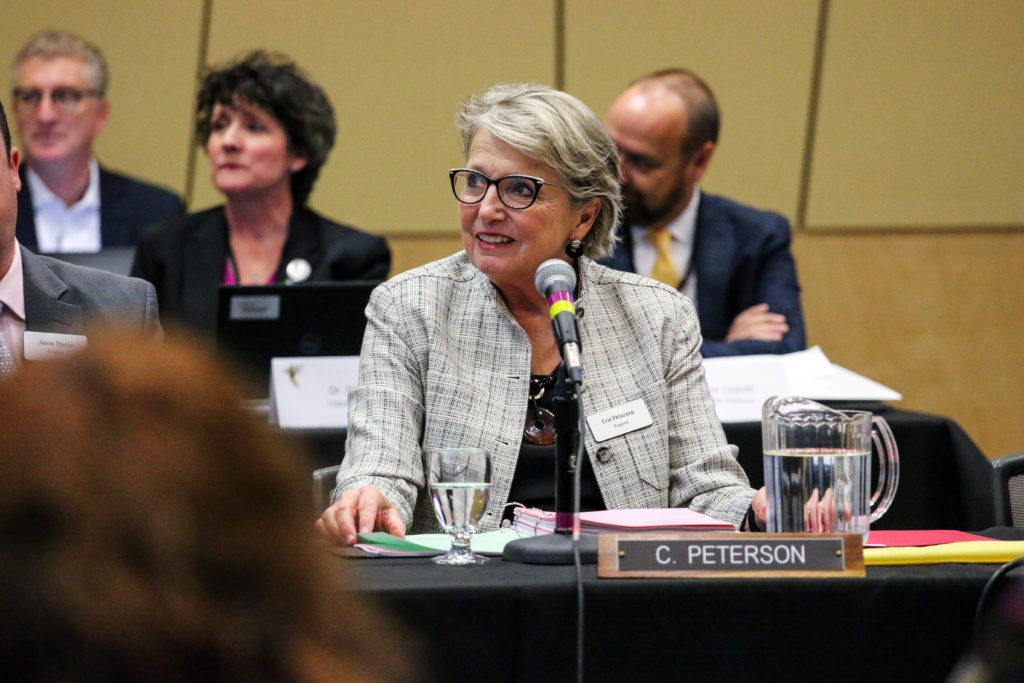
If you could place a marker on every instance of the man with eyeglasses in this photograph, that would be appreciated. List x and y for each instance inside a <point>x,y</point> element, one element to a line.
<point>69,203</point>
<point>732,260</point>
<point>47,306</point>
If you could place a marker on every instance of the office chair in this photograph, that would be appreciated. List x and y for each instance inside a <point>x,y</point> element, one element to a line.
<point>1008,489</point>
<point>323,483</point>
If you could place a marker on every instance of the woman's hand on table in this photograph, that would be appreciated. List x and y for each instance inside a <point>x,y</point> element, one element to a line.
<point>760,507</point>
<point>359,511</point>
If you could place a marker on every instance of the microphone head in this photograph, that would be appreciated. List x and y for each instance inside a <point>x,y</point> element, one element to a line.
<point>555,275</point>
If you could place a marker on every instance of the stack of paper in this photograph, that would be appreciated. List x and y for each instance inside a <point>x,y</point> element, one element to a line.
<point>531,521</point>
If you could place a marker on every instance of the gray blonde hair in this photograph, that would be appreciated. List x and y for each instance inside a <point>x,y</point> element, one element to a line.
<point>560,131</point>
<point>51,44</point>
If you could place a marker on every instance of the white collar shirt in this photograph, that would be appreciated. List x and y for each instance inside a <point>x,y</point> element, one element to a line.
<point>683,230</point>
<point>61,228</point>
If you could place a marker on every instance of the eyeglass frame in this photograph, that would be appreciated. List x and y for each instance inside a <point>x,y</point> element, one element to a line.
<point>539,182</point>
<point>79,95</point>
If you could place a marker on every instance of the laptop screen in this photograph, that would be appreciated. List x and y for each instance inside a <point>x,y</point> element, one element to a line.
<point>112,259</point>
<point>257,323</point>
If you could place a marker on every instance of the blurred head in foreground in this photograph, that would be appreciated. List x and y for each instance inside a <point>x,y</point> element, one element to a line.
<point>150,529</point>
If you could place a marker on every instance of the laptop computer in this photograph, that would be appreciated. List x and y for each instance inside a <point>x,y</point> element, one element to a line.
<point>112,259</point>
<point>261,322</point>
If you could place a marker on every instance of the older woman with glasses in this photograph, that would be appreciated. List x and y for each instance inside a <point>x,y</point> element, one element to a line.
<point>461,352</point>
<point>267,130</point>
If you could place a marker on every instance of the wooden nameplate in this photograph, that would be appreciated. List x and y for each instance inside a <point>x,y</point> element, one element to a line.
<point>729,555</point>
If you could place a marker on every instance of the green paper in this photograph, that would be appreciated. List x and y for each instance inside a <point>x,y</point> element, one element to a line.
<point>386,541</point>
<point>490,543</point>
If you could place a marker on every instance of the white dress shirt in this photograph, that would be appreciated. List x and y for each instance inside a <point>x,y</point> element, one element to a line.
<point>12,294</point>
<point>61,228</point>
<point>683,230</point>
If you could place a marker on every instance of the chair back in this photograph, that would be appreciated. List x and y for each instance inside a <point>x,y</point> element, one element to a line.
<point>323,484</point>
<point>1008,489</point>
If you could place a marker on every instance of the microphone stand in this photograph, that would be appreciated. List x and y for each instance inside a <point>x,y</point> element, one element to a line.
<point>558,547</point>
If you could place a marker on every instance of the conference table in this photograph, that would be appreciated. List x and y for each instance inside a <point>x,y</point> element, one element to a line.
<point>516,622</point>
<point>945,480</point>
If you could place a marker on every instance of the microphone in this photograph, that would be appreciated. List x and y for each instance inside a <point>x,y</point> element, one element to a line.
<point>556,281</point>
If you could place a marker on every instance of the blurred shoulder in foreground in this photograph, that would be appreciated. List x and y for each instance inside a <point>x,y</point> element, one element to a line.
<point>151,529</point>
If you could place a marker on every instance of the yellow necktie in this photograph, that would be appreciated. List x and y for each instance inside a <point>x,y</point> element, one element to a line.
<point>663,270</point>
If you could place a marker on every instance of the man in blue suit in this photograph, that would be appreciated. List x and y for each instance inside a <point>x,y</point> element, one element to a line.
<point>68,202</point>
<point>732,260</point>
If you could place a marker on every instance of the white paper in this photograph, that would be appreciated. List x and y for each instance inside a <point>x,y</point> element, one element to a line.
<point>741,384</point>
<point>312,392</point>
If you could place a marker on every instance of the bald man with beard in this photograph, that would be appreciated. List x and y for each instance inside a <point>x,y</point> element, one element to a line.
<point>733,261</point>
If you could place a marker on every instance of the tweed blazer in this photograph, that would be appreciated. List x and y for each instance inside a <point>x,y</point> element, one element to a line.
<point>444,363</point>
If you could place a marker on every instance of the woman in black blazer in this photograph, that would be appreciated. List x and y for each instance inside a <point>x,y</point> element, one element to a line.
<point>267,130</point>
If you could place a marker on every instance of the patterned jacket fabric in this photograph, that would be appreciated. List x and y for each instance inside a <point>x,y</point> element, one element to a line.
<point>444,363</point>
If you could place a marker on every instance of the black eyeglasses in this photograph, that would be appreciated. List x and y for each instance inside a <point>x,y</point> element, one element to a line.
<point>66,98</point>
<point>514,191</point>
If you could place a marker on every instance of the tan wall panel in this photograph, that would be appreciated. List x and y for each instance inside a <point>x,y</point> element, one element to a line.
<point>921,115</point>
<point>935,316</point>
<point>395,72</point>
<point>757,57</point>
<point>411,250</point>
<point>151,80</point>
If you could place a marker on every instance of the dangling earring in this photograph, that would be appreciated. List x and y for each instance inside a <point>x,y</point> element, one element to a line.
<point>572,248</point>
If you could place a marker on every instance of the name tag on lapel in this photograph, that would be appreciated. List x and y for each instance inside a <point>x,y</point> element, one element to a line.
<point>619,420</point>
<point>50,345</point>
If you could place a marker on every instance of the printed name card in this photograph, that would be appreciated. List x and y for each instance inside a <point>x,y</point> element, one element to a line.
<point>311,392</point>
<point>619,420</point>
<point>50,345</point>
<point>729,555</point>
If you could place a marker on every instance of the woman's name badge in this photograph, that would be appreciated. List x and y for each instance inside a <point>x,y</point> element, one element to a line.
<point>619,420</point>
<point>49,345</point>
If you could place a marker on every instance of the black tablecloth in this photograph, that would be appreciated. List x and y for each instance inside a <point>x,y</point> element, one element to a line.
<point>513,622</point>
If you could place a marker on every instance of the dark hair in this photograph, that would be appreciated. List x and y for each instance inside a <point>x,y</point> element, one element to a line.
<point>152,529</point>
<point>275,84</point>
<point>6,131</point>
<point>703,117</point>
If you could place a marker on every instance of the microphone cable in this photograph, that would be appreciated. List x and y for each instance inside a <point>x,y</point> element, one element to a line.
<point>577,564</point>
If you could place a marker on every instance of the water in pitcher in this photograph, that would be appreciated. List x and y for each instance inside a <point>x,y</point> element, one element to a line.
<point>818,490</point>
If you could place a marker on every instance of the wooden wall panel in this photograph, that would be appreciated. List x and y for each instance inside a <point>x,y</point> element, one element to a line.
<point>935,316</point>
<point>756,56</point>
<point>921,123</point>
<point>151,80</point>
<point>395,72</point>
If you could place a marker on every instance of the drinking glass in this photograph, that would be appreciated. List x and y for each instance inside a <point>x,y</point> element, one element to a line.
<point>459,481</point>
